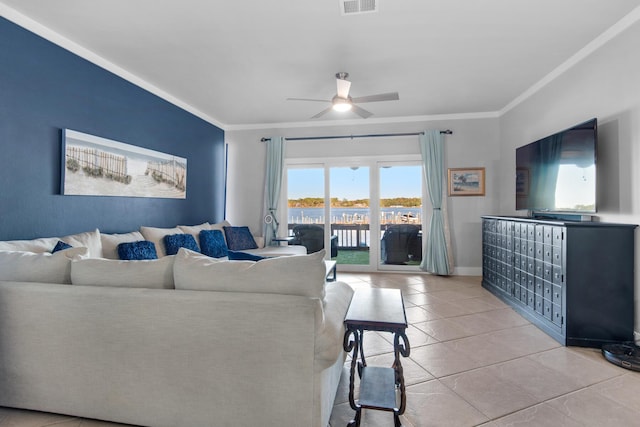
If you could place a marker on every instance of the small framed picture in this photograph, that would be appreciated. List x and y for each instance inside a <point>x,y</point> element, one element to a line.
<point>466,181</point>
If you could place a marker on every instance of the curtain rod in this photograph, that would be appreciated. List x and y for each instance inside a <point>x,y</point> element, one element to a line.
<point>375,135</point>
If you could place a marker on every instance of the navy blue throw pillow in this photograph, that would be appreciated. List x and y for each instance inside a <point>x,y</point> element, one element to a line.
<point>174,242</point>
<point>60,246</point>
<point>243,256</point>
<point>143,249</point>
<point>239,238</point>
<point>212,243</point>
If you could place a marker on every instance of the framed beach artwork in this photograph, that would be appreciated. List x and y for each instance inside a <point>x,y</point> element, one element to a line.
<point>95,166</point>
<point>466,181</point>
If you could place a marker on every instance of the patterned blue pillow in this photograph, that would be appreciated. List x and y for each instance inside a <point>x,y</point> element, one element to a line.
<point>174,242</point>
<point>239,238</point>
<point>212,243</point>
<point>143,249</point>
<point>60,246</point>
<point>243,256</point>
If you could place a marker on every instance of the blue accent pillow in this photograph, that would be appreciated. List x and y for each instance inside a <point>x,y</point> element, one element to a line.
<point>143,249</point>
<point>174,242</point>
<point>212,243</point>
<point>60,246</point>
<point>243,256</point>
<point>239,238</point>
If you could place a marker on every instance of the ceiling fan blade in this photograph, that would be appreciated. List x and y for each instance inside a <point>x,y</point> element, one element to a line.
<point>391,96</point>
<point>343,88</point>
<point>307,99</point>
<point>361,111</point>
<point>322,113</point>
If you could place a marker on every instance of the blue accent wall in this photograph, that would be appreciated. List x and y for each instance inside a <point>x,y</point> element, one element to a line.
<point>44,89</point>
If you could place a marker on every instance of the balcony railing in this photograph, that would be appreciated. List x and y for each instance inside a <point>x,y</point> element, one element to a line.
<point>352,236</point>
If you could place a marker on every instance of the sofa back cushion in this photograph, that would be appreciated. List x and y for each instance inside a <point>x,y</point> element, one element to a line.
<point>110,242</point>
<point>156,235</point>
<point>90,240</point>
<point>293,275</point>
<point>154,274</point>
<point>39,267</point>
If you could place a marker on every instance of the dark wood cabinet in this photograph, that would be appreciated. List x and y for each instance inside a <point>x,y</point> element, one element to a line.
<point>574,280</point>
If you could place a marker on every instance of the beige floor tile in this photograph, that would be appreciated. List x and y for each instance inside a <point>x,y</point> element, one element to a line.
<point>441,360</point>
<point>419,314</point>
<point>580,369</point>
<point>490,395</point>
<point>443,329</point>
<point>534,378</point>
<point>343,413</point>
<point>475,305</point>
<point>423,299</point>
<point>432,404</point>
<point>446,309</point>
<point>478,323</point>
<point>539,416</point>
<point>590,408</point>
<point>483,350</point>
<point>505,317</point>
<point>624,390</point>
<point>524,340</point>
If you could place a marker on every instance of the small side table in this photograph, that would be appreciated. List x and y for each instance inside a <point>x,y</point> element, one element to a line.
<point>376,310</point>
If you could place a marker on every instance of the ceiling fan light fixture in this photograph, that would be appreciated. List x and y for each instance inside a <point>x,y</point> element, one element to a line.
<point>341,105</point>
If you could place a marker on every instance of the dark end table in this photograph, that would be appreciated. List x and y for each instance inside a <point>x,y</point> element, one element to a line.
<point>376,310</point>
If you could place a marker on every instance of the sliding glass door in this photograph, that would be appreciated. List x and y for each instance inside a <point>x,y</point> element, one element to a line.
<point>366,212</point>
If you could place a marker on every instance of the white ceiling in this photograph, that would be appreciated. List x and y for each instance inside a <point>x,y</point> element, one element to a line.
<point>234,63</point>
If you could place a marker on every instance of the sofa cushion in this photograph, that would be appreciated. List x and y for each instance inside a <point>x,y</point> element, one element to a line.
<point>90,240</point>
<point>173,242</point>
<point>39,267</point>
<point>154,274</point>
<point>143,249</point>
<point>156,235</point>
<point>243,256</point>
<point>194,230</point>
<point>110,242</point>
<point>295,275</point>
<point>212,243</point>
<point>239,238</point>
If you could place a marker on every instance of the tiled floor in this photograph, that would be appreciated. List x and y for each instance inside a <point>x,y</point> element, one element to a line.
<point>473,361</point>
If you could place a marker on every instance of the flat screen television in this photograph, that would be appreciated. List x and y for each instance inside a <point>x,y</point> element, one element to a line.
<point>558,173</point>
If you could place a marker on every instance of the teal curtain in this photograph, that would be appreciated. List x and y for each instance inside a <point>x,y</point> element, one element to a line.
<point>436,257</point>
<point>273,185</point>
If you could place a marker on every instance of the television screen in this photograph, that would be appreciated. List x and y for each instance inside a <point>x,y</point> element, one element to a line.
<point>558,173</point>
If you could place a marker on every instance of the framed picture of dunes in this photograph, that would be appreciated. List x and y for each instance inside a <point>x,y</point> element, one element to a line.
<point>466,181</point>
<point>95,166</point>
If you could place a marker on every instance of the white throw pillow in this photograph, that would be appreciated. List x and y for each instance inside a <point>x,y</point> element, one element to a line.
<point>195,230</point>
<point>39,267</point>
<point>156,235</point>
<point>154,274</point>
<point>90,240</point>
<point>110,242</point>
<point>293,275</point>
<point>45,244</point>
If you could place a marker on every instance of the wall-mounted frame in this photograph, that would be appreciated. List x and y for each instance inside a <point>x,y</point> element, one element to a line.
<point>466,181</point>
<point>95,166</point>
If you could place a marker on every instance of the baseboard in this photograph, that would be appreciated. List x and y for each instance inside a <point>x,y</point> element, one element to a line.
<point>467,271</point>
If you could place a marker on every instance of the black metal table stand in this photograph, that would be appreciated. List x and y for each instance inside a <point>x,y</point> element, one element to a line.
<point>376,310</point>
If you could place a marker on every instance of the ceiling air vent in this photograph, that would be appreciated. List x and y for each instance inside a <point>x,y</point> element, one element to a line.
<point>354,7</point>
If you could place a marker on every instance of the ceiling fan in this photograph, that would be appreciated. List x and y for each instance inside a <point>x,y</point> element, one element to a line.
<point>343,102</point>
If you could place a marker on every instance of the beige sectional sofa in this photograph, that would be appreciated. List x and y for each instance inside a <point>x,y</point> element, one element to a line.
<point>185,340</point>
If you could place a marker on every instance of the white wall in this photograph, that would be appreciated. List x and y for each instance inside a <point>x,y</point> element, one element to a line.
<point>475,142</point>
<point>605,85</point>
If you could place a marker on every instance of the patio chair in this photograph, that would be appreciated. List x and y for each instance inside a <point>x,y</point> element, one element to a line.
<point>311,236</point>
<point>400,243</point>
